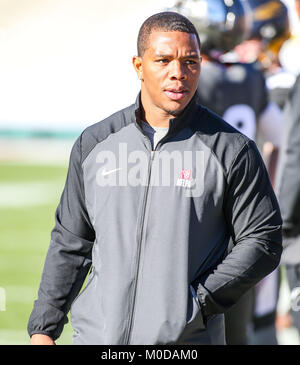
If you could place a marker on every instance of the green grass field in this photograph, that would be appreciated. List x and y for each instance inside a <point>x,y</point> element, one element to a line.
<point>29,195</point>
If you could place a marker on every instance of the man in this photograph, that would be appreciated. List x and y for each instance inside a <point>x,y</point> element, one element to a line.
<point>156,218</point>
<point>288,186</point>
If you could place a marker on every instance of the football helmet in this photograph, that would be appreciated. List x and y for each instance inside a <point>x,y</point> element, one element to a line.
<point>269,19</point>
<point>221,24</point>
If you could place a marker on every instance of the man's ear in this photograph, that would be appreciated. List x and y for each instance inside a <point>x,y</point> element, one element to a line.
<point>138,66</point>
<point>297,4</point>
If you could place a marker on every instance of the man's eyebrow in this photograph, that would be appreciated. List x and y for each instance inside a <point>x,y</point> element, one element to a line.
<point>193,55</point>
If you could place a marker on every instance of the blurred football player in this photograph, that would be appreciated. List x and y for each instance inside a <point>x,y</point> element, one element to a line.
<point>270,29</point>
<point>288,186</point>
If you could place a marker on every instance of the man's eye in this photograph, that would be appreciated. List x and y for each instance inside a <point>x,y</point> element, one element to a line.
<point>190,62</point>
<point>163,60</point>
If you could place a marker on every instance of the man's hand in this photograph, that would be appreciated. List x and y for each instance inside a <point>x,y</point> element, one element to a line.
<point>39,339</point>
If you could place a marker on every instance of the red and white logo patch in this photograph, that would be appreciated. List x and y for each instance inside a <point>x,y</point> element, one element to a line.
<point>185,178</point>
<point>185,174</point>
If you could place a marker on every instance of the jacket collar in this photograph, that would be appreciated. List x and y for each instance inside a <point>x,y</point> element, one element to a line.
<point>177,123</point>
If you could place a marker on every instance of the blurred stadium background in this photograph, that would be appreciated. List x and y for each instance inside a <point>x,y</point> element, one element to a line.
<point>64,65</point>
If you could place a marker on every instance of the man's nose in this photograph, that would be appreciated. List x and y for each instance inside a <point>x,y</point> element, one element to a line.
<point>177,70</point>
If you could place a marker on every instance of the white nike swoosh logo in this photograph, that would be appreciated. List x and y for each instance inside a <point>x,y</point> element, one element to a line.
<point>105,172</point>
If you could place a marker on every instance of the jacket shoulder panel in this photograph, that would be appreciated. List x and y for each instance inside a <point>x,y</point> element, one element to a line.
<point>223,140</point>
<point>99,131</point>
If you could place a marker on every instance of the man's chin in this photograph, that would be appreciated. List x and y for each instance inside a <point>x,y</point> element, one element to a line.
<point>176,108</point>
<point>174,113</point>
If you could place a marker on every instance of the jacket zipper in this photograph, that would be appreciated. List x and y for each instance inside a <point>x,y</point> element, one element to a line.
<point>139,246</point>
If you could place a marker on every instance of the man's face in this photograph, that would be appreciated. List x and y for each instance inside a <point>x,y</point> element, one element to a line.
<point>169,70</point>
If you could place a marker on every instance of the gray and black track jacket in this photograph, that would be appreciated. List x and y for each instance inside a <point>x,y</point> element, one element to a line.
<point>174,236</point>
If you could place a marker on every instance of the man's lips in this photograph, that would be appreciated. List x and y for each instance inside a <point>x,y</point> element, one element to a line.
<point>175,94</point>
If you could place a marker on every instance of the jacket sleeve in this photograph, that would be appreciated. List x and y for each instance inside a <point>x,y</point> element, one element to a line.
<point>289,176</point>
<point>254,223</point>
<point>69,255</point>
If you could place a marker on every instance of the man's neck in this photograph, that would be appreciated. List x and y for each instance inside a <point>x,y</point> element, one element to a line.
<point>155,116</point>
<point>156,120</point>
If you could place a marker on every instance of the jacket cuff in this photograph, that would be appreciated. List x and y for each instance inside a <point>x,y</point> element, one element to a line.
<point>41,333</point>
<point>46,319</point>
<point>208,304</point>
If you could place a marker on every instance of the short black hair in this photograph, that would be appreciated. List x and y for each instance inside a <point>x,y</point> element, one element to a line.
<point>167,21</point>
